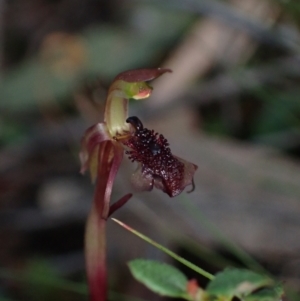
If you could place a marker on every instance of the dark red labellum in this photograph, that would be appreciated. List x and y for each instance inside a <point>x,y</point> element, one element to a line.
<point>158,164</point>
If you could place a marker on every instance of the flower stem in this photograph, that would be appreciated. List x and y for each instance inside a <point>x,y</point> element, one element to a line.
<point>95,253</point>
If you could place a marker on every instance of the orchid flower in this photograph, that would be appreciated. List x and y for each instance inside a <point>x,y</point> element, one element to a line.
<point>102,149</point>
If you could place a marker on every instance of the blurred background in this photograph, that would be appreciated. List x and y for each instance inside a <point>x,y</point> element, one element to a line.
<point>231,106</point>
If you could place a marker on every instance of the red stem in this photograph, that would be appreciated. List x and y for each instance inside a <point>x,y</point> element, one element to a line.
<point>95,253</point>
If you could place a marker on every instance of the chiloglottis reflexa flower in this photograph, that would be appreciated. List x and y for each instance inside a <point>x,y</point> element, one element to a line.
<point>102,150</point>
<point>103,144</point>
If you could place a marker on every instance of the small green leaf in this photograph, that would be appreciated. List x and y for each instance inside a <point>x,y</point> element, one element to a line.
<point>159,277</point>
<point>237,282</point>
<point>267,294</point>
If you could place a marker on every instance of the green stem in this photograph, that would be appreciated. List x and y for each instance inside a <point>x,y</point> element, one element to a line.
<point>167,251</point>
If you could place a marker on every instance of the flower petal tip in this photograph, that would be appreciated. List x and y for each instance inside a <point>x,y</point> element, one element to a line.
<point>121,202</point>
<point>141,75</point>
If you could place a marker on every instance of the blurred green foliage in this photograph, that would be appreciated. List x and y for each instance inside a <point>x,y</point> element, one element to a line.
<point>106,49</point>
